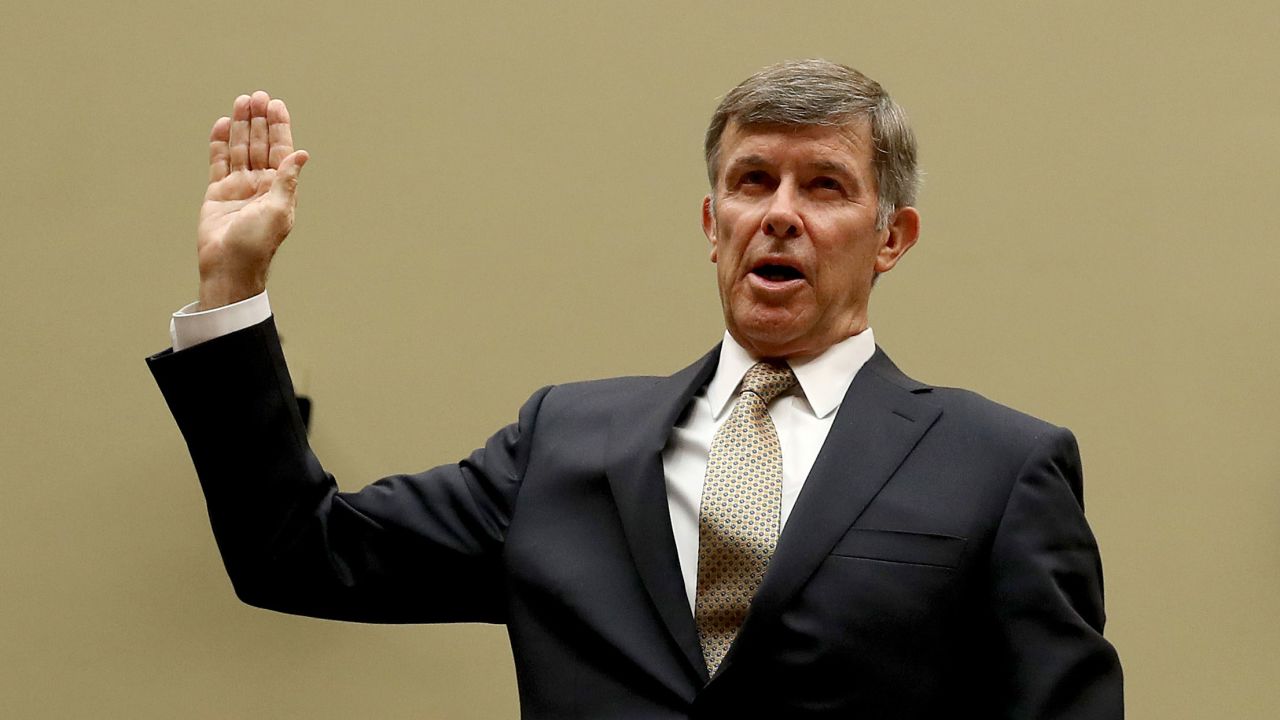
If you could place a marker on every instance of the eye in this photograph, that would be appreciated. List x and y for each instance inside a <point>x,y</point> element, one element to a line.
<point>826,183</point>
<point>754,182</point>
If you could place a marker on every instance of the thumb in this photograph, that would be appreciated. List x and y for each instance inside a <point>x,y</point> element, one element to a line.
<point>285,185</point>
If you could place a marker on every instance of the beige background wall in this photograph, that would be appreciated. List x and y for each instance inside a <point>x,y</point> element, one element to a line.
<point>503,197</point>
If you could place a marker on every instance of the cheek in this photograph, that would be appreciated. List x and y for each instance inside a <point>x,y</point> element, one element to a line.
<point>841,271</point>
<point>729,246</point>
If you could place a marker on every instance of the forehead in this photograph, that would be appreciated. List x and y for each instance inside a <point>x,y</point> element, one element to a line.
<point>848,145</point>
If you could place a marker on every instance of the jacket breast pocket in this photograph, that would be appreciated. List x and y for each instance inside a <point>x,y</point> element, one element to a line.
<point>895,546</point>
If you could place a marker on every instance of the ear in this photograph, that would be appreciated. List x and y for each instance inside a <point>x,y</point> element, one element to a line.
<point>709,224</point>
<point>903,231</point>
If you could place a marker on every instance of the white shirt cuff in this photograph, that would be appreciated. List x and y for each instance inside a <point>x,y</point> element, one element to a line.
<point>189,327</point>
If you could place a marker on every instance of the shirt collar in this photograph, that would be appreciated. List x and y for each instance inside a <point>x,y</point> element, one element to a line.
<point>823,380</point>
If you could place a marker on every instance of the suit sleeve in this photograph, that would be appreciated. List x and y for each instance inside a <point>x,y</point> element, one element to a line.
<point>1047,585</point>
<point>409,548</point>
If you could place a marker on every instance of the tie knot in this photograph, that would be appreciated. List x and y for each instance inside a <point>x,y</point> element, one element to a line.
<point>768,380</point>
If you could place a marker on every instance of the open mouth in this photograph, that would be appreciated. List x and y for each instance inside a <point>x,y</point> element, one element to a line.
<point>777,273</point>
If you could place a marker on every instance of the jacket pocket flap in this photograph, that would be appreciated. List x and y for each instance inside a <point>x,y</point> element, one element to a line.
<point>904,547</point>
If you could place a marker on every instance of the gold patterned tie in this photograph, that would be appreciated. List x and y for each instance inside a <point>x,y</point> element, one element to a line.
<point>741,502</point>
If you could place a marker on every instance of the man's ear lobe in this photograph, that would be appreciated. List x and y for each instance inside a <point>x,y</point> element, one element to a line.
<point>903,232</point>
<point>709,223</point>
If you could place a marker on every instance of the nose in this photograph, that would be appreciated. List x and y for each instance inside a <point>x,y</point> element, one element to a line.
<point>781,220</point>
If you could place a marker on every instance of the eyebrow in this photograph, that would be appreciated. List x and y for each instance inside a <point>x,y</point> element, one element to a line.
<point>746,161</point>
<point>835,168</point>
<point>823,166</point>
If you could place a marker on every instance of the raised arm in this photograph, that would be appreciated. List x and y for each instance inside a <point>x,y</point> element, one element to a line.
<point>409,548</point>
<point>249,205</point>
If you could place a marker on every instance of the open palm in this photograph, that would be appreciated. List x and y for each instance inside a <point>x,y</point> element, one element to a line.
<point>249,205</point>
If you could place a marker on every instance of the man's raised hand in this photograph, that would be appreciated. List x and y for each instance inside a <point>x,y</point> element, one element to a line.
<point>248,207</point>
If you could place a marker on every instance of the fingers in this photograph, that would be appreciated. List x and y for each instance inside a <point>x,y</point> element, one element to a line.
<point>238,140</point>
<point>258,136</point>
<point>258,146</point>
<point>279,133</point>
<point>285,185</point>
<point>219,150</point>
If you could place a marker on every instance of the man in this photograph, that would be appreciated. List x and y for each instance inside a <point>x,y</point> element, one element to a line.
<point>790,527</point>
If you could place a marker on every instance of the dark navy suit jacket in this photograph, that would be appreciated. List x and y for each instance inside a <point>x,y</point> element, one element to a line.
<point>937,564</point>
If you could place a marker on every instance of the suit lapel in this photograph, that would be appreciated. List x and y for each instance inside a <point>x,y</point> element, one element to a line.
<point>638,434</point>
<point>882,417</point>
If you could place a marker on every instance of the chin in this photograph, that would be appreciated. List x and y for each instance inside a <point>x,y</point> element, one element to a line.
<point>767,341</point>
<point>769,330</point>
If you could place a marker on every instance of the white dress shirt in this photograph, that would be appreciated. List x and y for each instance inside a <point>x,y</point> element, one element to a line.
<point>190,327</point>
<point>802,415</point>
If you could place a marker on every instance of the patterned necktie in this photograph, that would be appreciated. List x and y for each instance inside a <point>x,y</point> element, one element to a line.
<point>741,502</point>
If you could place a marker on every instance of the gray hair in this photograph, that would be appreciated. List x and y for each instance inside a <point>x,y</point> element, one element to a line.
<point>820,92</point>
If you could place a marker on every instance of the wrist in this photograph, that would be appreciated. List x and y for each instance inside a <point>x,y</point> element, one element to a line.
<point>216,292</point>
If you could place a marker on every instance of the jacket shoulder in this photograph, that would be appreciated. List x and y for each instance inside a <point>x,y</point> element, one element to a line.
<point>977,409</point>
<point>963,406</point>
<point>594,401</point>
<point>641,393</point>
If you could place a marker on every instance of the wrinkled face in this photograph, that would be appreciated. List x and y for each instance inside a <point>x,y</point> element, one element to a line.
<point>793,235</point>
